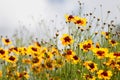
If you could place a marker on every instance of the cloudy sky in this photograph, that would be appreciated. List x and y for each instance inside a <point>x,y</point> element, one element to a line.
<point>29,13</point>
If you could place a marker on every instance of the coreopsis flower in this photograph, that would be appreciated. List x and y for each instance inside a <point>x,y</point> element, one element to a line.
<point>114,55</point>
<point>105,34</point>
<point>91,66</point>
<point>80,21</point>
<point>3,53</point>
<point>26,61</point>
<point>100,52</point>
<point>97,45</point>
<point>0,74</point>
<point>69,54</point>
<point>11,59</point>
<point>118,64</point>
<point>111,63</point>
<point>23,74</point>
<point>113,42</point>
<point>69,18</point>
<point>14,50</point>
<point>49,64</point>
<point>86,45</point>
<point>66,39</point>
<point>104,74</point>
<point>32,49</point>
<point>36,68</point>
<point>37,44</point>
<point>6,41</point>
<point>75,59</point>
<point>59,63</point>
<point>23,51</point>
<point>89,77</point>
<point>36,60</point>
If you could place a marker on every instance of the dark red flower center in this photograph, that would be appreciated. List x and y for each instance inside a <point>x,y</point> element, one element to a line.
<point>12,58</point>
<point>2,52</point>
<point>100,53</point>
<point>67,39</point>
<point>104,73</point>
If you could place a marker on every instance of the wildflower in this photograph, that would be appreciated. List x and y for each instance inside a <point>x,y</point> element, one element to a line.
<point>113,42</point>
<point>3,53</point>
<point>90,66</point>
<point>27,61</point>
<point>69,18</point>
<point>49,64</point>
<point>23,74</point>
<point>69,54</point>
<point>32,49</point>
<point>106,34</point>
<point>80,21</point>
<point>114,55</point>
<point>89,77</point>
<point>0,74</point>
<point>36,68</point>
<point>103,74</point>
<point>37,44</point>
<point>59,62</point>
<point>6,41</point>
<point>100,52</point>
<point>111,63</point>
<point>97,45</point>
<point>14,50</point>
<point>86,45</point>
<point>12,59</point>
<point>66,39</point>
<point>36,60</point>
<point>118,64</point>
<point>75,59</point>
<point>23,51</point>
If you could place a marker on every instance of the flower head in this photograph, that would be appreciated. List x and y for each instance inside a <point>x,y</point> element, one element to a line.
<point>66,39</point>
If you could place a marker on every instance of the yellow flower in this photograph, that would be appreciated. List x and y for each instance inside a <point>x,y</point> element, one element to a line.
<point>75,59</point>
<point>12,59</point>
<point>90,66</point>
<point>26,61</point>
<point>3,53</point>
<point>66,39</point>
<point>113,42</point>
<point>100,52</point>
<point>36,68</point>
<point>114,55</point>
<point>59,63</point>
<point>14,49</point>
<point>86,45</point>
<point>6,41</point>
<point>80,21</point>
<point>111,63</point>
<point>103,74</point>
<point>36,60</point>
<point>49,64</point>
<point>37,44</point>
<point>106,34</point>
<point>69,18</point>
<point>69,54</point>
<point>97,45</point>
<point>0,74</point>
<point>89,77</point>
<point>23,74</point>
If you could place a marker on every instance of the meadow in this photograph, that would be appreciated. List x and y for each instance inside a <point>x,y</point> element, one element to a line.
<point>91,51</point>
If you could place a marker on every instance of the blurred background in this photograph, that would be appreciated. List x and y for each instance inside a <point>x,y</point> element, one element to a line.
<point>44,17</point>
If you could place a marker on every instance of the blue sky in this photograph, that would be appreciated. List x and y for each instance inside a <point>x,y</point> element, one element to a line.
<point>29,13</point>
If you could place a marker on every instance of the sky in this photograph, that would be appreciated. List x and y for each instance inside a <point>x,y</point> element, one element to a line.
<point>38,15</point>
